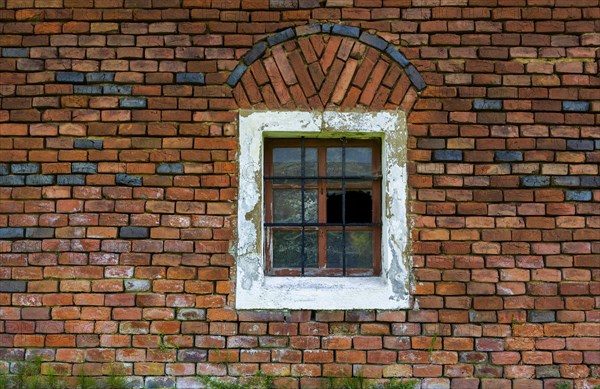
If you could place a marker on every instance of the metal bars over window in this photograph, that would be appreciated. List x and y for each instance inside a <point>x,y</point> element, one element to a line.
<point>323,207</point>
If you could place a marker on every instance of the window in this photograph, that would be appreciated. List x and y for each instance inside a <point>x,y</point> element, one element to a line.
<point>322,220</point>
<point>322,207</point>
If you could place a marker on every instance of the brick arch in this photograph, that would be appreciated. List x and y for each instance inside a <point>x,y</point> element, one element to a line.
<point>325,66</point>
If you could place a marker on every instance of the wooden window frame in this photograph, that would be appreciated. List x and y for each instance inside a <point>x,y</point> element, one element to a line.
<point>322,188</point>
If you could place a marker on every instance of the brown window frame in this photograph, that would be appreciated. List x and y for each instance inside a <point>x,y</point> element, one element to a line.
<point>322,187</point>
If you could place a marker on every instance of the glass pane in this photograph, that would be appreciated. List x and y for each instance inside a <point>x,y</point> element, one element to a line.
<point>359,206</point>
<point>287,248</point>
<point>286,161</point>
<point>359,249</point>
<point>358,161</point>
<point>287,206</point>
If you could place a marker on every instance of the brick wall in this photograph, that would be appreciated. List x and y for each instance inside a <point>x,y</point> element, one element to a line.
<point>118,186</point>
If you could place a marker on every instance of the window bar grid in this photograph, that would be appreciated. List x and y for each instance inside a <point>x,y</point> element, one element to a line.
<point>302,173</point>
<point>344,207</point>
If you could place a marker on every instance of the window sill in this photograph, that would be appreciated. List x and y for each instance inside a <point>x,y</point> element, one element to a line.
<point>254,289</point>
<point>328,293</point>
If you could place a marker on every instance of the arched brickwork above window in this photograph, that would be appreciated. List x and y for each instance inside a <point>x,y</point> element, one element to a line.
<point>325,66</point>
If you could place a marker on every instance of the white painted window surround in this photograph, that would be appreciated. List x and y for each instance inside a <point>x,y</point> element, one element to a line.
<point>254,289</point>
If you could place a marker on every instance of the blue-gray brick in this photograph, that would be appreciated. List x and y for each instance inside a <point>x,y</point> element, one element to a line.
<point>134,232</point>
<point>160,382</point>
<point>192,355</point>
<point>281,36</point>
<point>170,168</point>
<point>100,77</point>
<point>190,78</point>
<point>39,232</point>
<point>133,102</point>
<point>566,180</point>
<point>448,155</point>
<point>255,53</point>
<point>236,75</point>
<point>137,285</point>
<point>541,316</point>
<point>487,105</point>
<point>582,145</point>
<point>597,144</point>
<point>4,169</point>
<point>39,180</point>
<point>327,27</point>
<point>88,144</point>
<point>283,4</point>
<point>373,41</point>
<point>579,195</point>
<point>12,233</point>
<point>14,52</point>
<point>25,168</point>
<point>70,77</point>
<point>508,156</point>
<point>13,286</point>
<point>590,181</point>
<point>70,179</point>
<point>547,371</point>
<point>191,314</point>
<point>116,90</point>
<point>128,180</point>
<point>84,167</point>
<point>535,181</point>
<point>415,77</point>
<point>12,180</point>
<point>87,90</point>
<point>575,106</point>
<point>397,56</point>
<point>342,29</point>
<point>12,354</point>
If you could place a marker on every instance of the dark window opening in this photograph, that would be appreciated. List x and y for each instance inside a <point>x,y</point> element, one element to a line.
<point>359,207</point>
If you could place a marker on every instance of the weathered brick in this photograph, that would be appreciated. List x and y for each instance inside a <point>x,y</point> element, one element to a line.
<point>11,233</point>
<point>578,195</point>
<point>15,52</point>
<point>373,41</point>
<point>541,316</point>
<point>87,89</point>
<point>535,181</point>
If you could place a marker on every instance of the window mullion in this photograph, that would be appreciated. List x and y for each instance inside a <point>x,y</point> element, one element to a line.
<point>322,204</point>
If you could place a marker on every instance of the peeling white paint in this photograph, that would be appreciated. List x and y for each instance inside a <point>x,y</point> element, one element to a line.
<point>254,289</point>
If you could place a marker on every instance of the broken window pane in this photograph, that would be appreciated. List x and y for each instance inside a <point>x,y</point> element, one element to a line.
<point>359,206</point>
